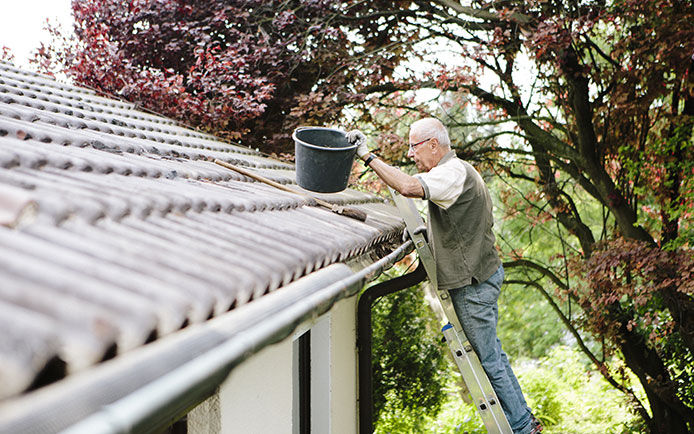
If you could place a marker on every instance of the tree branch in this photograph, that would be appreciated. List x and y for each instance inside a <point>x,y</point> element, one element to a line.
<point>602,367</point>
<point>528,264</point>
<point>483,14</point>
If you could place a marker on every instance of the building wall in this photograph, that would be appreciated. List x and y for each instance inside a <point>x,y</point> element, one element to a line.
<point>344,369</point>
<point>258,396</point>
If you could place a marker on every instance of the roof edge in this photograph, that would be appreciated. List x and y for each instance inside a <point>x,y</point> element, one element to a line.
<point>150,388</point>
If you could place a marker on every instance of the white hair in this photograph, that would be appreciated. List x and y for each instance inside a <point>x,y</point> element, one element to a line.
<point>432,128</point>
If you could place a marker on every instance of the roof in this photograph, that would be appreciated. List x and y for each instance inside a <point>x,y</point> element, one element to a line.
<point>116,229</point>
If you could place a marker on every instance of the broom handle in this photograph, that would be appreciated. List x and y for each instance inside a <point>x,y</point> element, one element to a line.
<point>258,177</point>
<point>350,212</point>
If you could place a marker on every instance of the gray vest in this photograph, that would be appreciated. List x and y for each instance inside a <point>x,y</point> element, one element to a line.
<point>461,236</point>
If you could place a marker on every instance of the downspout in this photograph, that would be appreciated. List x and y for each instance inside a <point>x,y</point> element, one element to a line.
<point>364,339</point>
<point>157,385</point>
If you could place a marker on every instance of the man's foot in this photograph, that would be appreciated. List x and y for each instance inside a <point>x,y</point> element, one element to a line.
<point>535,423</point>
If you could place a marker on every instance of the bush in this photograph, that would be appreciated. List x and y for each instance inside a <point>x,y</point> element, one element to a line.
<point>563,393</point>
<point>570,399</point>
<point>409,365</point>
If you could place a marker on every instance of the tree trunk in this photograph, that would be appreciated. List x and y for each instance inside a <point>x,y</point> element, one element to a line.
<point>670,414</point>
<point>663,420</point>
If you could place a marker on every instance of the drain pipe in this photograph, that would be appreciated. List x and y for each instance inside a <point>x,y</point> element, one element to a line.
<point>365,335</point>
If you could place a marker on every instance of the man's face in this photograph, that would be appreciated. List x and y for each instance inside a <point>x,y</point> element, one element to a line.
<point>423,151</point>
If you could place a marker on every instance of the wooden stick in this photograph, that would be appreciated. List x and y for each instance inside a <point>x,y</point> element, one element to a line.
<point>346,211</point>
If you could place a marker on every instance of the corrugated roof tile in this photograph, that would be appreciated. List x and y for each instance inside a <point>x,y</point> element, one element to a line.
<point>138,315</point>
<point>94,327</point>
<point>28,344</point>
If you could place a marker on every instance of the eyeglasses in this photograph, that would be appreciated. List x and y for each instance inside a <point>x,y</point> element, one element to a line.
<point>414,145</point>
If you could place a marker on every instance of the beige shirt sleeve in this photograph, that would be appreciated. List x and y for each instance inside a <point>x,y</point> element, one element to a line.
<point>444,183</point>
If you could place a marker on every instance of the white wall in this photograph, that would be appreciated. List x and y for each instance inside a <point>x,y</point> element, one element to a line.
<point>343,367</point>
<point>257,397</point>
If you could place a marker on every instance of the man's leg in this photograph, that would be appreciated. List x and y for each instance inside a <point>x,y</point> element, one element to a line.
<point>476,306</point>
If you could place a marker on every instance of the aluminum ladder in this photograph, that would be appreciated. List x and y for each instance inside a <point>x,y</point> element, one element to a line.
<point>474,377</point>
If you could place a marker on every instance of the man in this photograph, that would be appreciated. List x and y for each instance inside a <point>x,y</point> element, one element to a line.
<point>460,233</point>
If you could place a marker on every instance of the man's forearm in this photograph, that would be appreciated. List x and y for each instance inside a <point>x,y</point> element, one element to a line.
<point>403,183</point>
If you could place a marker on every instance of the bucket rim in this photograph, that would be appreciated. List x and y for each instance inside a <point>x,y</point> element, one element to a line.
<point>322,148</point>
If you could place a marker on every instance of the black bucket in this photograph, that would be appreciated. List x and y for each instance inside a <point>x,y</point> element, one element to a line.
<point>323,159</point>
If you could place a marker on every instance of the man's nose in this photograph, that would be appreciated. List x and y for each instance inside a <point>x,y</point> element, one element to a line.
<point>410,152</point>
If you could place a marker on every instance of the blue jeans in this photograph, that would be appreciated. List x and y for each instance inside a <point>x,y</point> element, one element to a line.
<point>477,310</point>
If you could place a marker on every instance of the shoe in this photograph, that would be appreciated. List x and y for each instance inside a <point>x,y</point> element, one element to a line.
<point>537,426</point>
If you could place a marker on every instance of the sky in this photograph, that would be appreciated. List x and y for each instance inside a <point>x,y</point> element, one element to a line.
<point>22,22</point>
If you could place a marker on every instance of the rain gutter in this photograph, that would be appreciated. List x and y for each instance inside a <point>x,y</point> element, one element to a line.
<point>365,335</point>
<point>157,384</point>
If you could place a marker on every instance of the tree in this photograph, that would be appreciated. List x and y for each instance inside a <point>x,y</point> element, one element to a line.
<point>408,360</point>
<point>589,108</point>
<point>598,170</point>
<point>603,151</point>
<point>223,66</point>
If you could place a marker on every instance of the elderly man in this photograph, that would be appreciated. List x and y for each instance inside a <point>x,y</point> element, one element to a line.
<point>459,225</point>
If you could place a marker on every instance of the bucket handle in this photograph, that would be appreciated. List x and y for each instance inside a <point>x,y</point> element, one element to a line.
<point>307,127</point>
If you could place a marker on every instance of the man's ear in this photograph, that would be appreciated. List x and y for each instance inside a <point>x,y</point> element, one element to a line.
<point>433,143</point>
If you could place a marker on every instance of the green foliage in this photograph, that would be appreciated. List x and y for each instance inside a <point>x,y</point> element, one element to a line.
<point>563,393</point>
<point>454,417</point>
<point>408,362</point>
<point>417,390</point>
<point>569,398</point>
<point>396,418</point>
<point>527,325</point>
<point>681,364</point>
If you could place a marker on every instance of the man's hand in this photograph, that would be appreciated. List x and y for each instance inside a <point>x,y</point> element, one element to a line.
<point>419,230</point>
<point>405,184</point>
<point>356,137</point>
